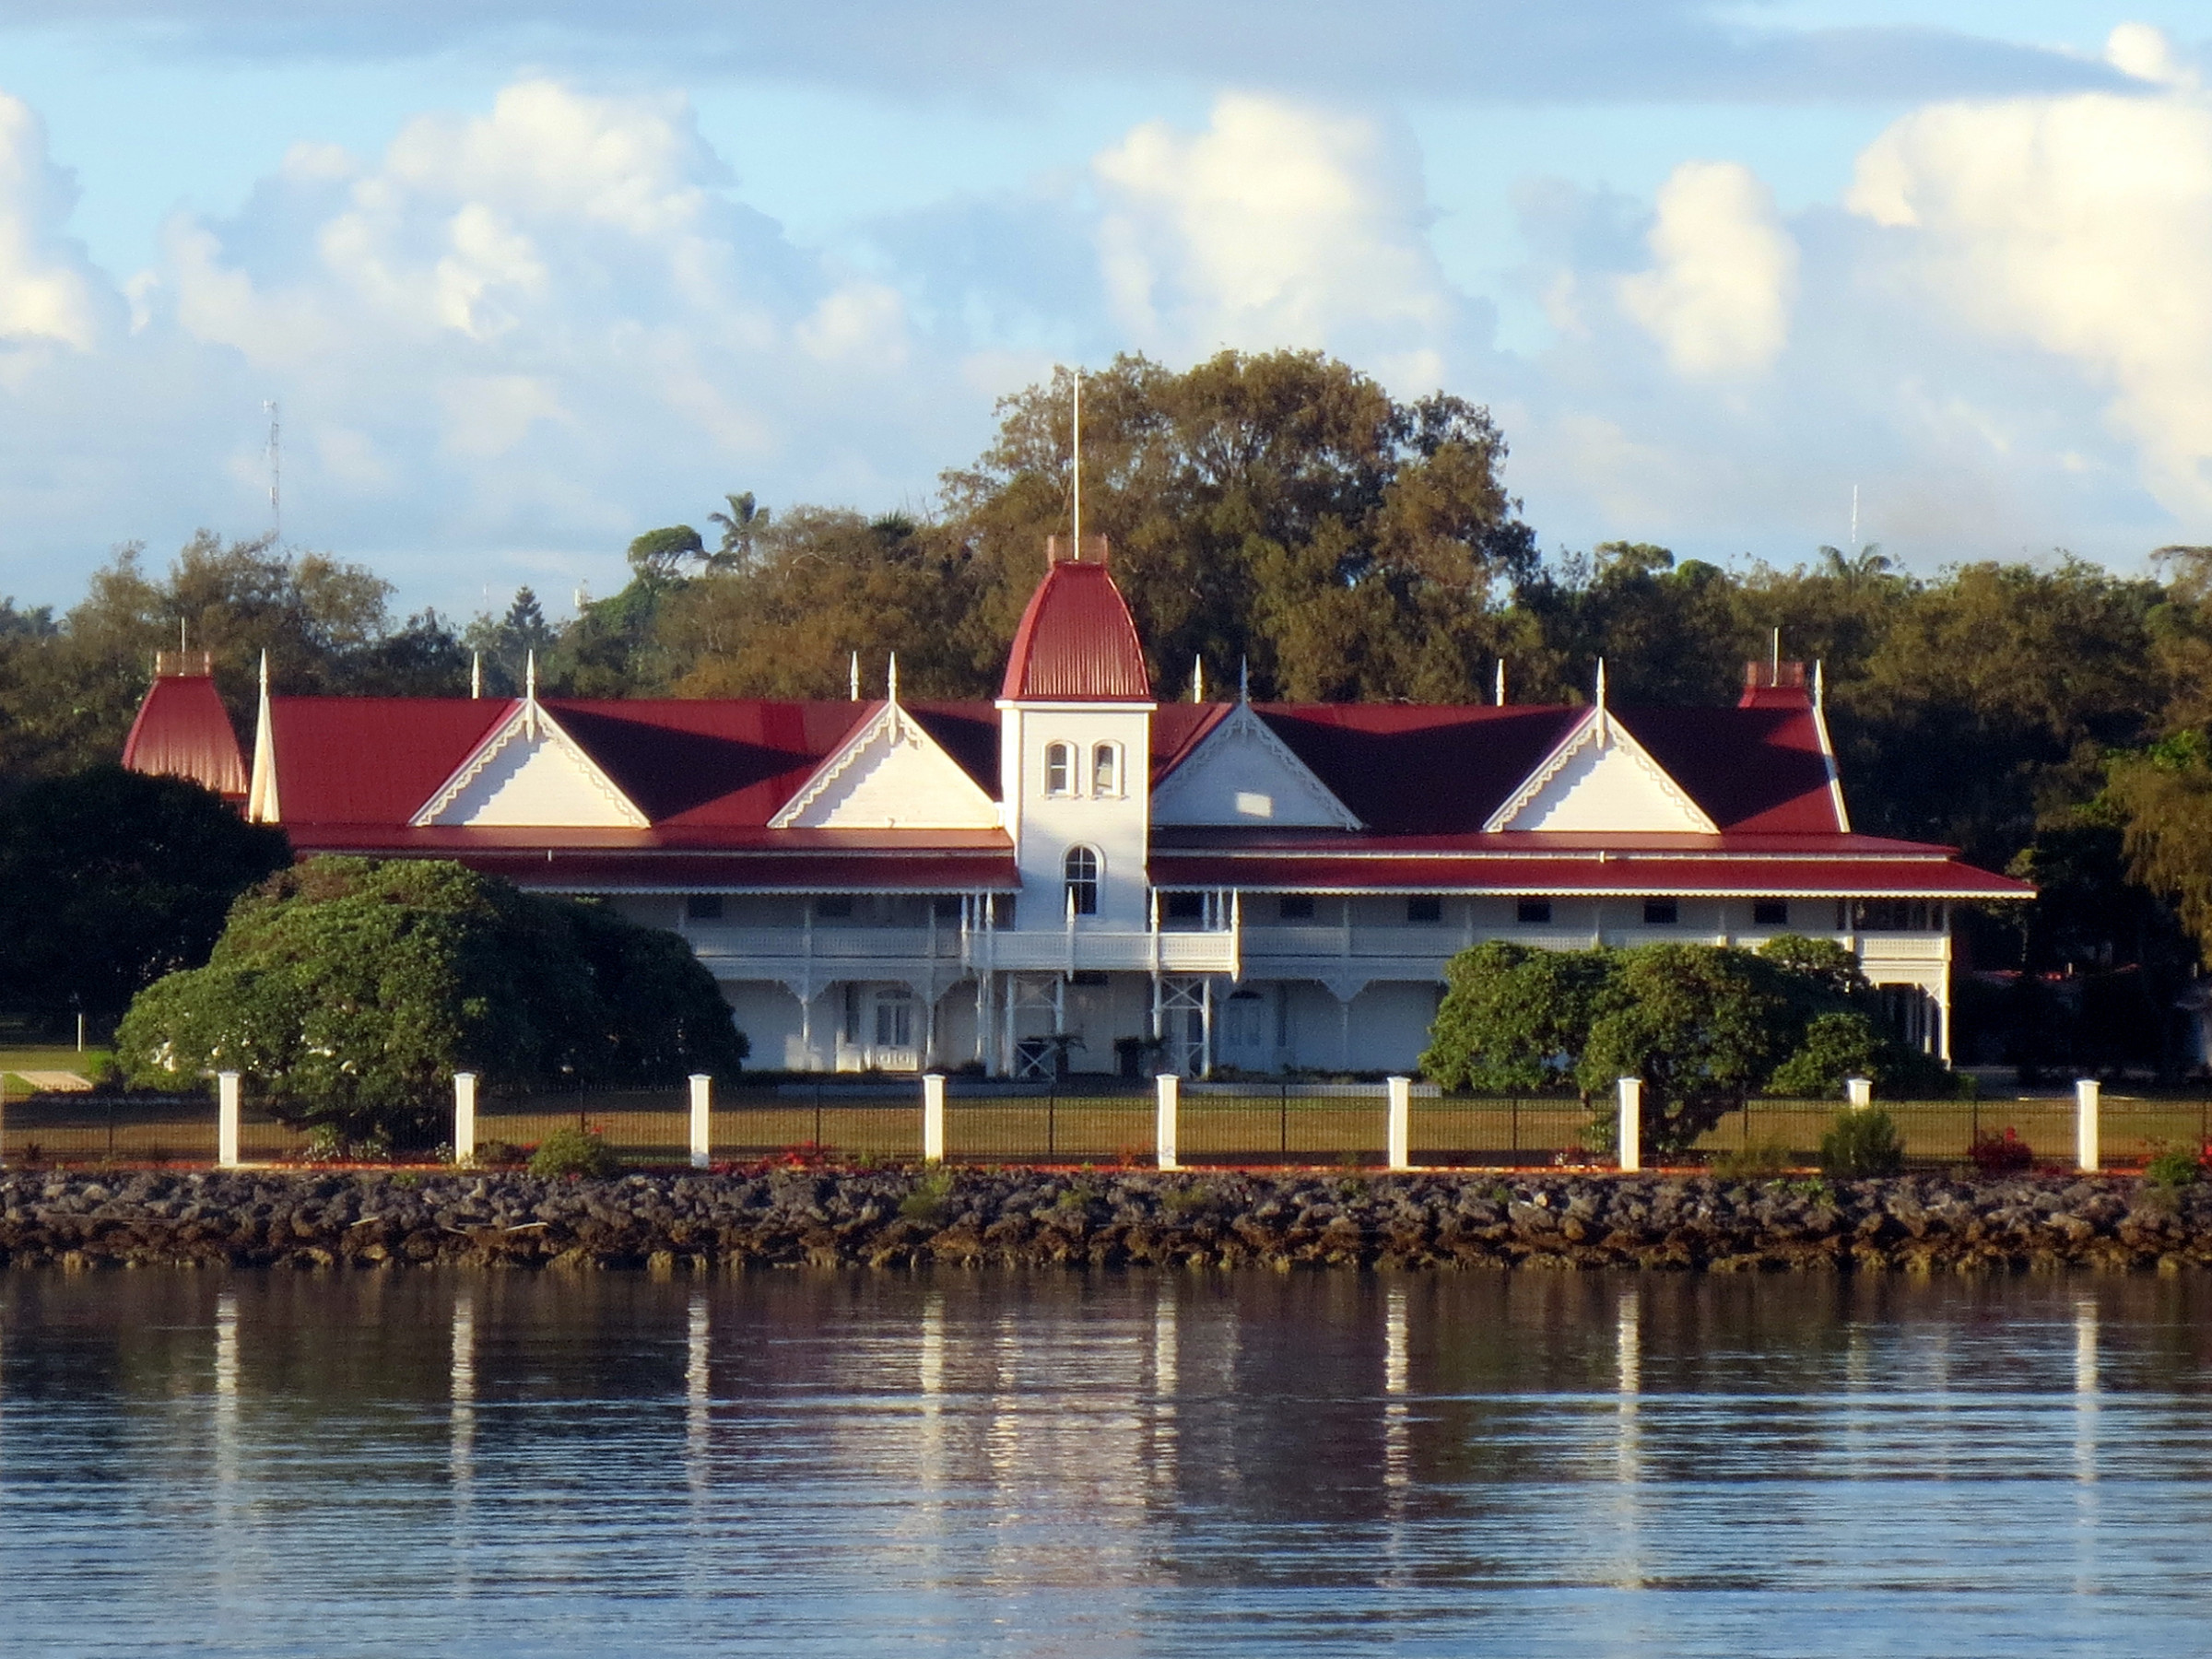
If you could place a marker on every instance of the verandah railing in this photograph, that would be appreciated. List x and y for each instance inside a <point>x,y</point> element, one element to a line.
<point>1080,1121</point>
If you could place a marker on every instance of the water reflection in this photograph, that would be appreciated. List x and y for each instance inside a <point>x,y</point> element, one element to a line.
<point>804,1463</point>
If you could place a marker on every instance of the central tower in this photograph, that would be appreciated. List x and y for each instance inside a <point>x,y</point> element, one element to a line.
<point>1076,749</point>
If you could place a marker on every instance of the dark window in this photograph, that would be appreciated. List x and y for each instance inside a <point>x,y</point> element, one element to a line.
<point>1424,910</point>
<point>1533,913</point>
<point>833,907</point>
<point>1090,980</point>
<point>1295,907</point>
<point>1770,912</point>
<point>946,907</point>
<point>704,907</point>
<point>1183,907</point>
<point>1081,866</point>
<point>1660,912</point>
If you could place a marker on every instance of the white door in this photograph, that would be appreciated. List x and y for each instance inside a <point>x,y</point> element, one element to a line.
<point>1247,1033</point>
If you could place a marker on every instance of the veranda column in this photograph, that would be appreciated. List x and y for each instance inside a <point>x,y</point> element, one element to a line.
<point>464,1116</point>
<point>226,1120</point>
<point>1400,1136</point>
<point>703,1119</point>
<point>1169,1089</point>
<point>932,1118</point>
<point>2087,1155</point>
<point>1629,1135</point>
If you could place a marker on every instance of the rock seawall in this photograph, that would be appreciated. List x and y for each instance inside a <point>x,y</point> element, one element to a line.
<point>1112,1219</point>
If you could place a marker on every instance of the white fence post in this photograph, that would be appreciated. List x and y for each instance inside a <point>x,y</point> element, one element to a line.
<point>703,1119</point>
<point>1630,1134</point>
<point>226,1120</point>
<point>1858,1091</point>
<point>2087,1153</point>
<point>464,1116</point>
<point>933,1117</point>
<point>1171,1097</point>
<point>1400,1138</point>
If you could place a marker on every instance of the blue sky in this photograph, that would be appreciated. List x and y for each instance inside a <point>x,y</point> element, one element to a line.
<point>524,284</point>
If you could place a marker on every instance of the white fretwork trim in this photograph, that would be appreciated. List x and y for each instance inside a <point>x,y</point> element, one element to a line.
<point>530,722</point>
<point>900,727</point>
<point>1598,727</point>
<point>1242,725</point>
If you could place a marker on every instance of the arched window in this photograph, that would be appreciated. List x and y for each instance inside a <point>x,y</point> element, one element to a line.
<point>1059,769</point>
<point>1106,770</point>
<point>1082,868</point>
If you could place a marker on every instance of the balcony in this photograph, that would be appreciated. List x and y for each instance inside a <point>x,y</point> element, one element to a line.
<point>1085,950</point>
<point>716,944</point>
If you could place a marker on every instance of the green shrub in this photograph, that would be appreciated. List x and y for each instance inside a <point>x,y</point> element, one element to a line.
<point>1862,1142</point>
<point>2176,1167</point>
<point>930,1197</point>
<point>498,1155</point>
<point>575,1152</point>
<point>1761,1157</point>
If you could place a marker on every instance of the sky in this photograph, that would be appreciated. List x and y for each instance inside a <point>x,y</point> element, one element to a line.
<point>524,277</point>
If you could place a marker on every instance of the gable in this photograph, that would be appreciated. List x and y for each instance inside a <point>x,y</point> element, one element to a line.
<point>891,774</point>
<point>1242,773</point>
<point>530,774</point>
<point>1601,780</point>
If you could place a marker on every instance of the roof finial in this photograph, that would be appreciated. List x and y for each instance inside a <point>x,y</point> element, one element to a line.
<point>890,683</point>
<point>475,674</point>
<point>1197,680</point>
<point>264,674</point>
<point>1601,682</point>
<point>1501,691</point>
<point>1075,456</point>
<point>1819,686</point>
<point>1244,679</point>
<point>852,679</point>
<point>1775,661</point>
<point>530,676</point>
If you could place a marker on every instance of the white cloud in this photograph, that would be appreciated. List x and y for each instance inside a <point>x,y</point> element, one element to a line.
<point>1718,300</point>
<point>1277,225</point>
<point>46,289</point>
<point>2081,225</point>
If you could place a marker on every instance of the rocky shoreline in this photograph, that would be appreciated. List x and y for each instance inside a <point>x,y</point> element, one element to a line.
<point>975,1218</point>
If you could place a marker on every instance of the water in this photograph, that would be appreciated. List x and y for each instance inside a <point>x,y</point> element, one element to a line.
<point>447,1463</point>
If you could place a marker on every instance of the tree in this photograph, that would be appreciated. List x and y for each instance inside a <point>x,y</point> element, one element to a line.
<point>741,527</point>
<point>1701,1024</point>
<point>1705,1027</point>
<point>354,990</point>
<point>110,880</point>
<point>658,557</point>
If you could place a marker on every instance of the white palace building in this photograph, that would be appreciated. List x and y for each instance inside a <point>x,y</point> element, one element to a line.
<point>1080,874</point>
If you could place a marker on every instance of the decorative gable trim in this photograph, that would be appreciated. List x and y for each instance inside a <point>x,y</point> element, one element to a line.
<point>848,763</point>
<point>1242,725</point>
<point>529,723</point>
<point>1598,729</point>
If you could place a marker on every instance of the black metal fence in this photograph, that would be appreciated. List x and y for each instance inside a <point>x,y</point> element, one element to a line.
<point>1091,1121</point>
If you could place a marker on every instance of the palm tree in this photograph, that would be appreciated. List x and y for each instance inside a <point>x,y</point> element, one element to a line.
<point>745,520</point>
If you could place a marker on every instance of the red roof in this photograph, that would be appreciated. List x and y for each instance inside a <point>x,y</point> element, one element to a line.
<point>1934,874</point>
<point>184,731</point>
<point>1077,642</point>
<point>372,760</point>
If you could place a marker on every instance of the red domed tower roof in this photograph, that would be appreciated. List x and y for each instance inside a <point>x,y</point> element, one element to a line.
<point>182,729</point>
<point>1076,642</point>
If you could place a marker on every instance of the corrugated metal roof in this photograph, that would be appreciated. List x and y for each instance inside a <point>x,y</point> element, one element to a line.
<point>184,731</point>
<point>1077,642</point>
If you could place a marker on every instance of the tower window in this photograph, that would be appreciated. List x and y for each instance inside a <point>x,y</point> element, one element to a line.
<point>1081,866</point>
<point>1106,770</point>
<point>1059,769</point>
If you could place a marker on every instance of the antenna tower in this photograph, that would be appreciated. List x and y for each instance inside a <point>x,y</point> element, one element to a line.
<point>276,470</point>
